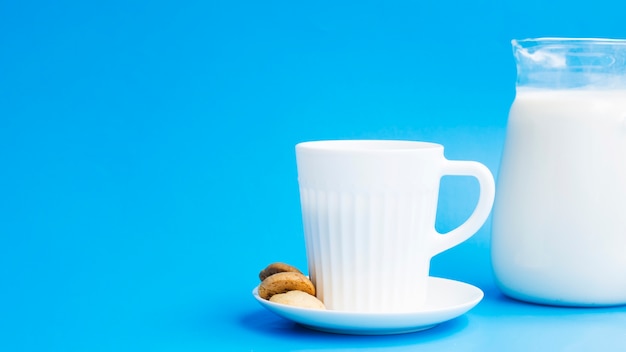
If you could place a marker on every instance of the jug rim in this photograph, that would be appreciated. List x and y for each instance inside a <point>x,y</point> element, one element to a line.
<point>567,40</point>
<point>565,63</point>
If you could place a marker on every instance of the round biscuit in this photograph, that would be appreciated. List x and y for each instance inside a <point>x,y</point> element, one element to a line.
<point>298,299</point>
<point>285,282</point>
<point>276,268</point>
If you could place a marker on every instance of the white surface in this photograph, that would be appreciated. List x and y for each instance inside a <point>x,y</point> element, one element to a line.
<point>447,299</point>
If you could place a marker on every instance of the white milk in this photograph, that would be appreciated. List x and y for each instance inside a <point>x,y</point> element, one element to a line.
<point>559,223</point>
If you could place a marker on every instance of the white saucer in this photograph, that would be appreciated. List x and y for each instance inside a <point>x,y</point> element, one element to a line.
<point>447,299</point>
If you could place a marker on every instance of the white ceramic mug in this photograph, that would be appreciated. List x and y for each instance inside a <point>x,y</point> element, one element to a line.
<point>368,209</point>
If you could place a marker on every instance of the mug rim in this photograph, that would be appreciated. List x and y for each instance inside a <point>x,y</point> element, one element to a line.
<point>368,145</point>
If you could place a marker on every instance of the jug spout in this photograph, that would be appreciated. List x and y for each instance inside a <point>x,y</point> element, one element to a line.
<point>562,63</point>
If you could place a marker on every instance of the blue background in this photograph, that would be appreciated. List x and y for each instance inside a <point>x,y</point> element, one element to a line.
<point>147,167</point>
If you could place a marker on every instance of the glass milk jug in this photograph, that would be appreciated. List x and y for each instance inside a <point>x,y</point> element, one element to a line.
<point>559,220</point>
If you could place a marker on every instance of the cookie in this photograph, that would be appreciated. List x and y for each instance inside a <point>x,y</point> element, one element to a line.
<point>276,268</point>
<point>298,299</point>
<point>285,282</point>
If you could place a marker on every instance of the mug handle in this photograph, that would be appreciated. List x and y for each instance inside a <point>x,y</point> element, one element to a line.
<point>442,242</point>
